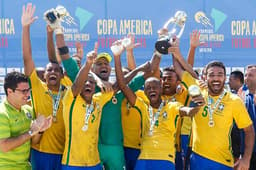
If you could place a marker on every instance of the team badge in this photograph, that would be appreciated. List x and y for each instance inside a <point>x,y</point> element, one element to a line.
<point>29,115</point>
<point>221,107</point>
<point>165,115</point>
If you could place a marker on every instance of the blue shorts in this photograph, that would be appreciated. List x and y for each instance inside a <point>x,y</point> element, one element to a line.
<point>131,155</point>
<point>45,161</point>
<point>96,167</point>
<point>143,164</point>
<point>199,162</point>
<point>184,145</point>
<point>178,161</point>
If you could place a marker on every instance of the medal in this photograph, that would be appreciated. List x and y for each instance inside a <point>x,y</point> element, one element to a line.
<point>114,100</point>
<point>211,123</point>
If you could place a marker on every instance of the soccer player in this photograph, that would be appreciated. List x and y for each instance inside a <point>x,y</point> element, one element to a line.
<point>158,119</point>
<point>211,126</point>
<point>110,134</point>
<point>46,99</point>
<point>82,115</point>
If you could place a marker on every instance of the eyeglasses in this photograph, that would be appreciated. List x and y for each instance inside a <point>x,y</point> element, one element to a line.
<point>24,91</point>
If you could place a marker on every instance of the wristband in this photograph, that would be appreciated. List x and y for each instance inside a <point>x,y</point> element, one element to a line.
<point>63,50</point>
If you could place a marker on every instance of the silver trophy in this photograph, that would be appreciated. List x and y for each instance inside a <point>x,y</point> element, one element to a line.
<point>54,17</point>
<point>175,27</point>
<point>193,91</point>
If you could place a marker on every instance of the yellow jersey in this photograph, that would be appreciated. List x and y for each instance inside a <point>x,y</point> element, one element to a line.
<point>81,145</point>
<point>66,81</point>
<point>131,123</point>
<point>214,142</point>
<point>52,141</point>
<point>182,98</point>
<point>159,145</point>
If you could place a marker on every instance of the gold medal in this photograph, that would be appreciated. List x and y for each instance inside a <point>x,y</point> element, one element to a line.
<point>211,123</point>
<point>114,100</point>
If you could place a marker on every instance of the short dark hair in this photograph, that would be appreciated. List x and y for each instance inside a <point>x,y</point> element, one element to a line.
<point>12,80</point>
<point>215,64</point>
<point>55,62</point>
<point>238,75</point>
<point>171,69</point>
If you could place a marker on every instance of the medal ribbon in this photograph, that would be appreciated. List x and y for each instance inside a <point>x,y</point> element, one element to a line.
<point>89,110</point>
<point>153,118</point>
<point>212,109</point>
<point>55,101</point>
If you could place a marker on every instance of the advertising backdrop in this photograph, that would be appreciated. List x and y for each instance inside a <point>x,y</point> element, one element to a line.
<point>228,29</point>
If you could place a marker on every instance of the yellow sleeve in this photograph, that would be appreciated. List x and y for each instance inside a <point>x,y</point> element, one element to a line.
<point>34,80</point>
<point>139,103</point>
<point>66,81</point>
<point>188,80</point>
<point>142,95</point>
<point>175,107</point>
<point>103,98</point>
<point>68,97</point>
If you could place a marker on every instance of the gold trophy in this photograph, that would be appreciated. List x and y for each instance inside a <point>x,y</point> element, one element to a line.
<point>175,27</point>
<point>193,91</point>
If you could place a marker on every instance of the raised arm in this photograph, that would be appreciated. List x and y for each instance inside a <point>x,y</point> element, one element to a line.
<point>70,66</point>
<point>26,20</point>
<point>129,94</point>
<point>131,64</point>
<point>83,73</point>
<point>50,45</point>
<point>175,50</point>
<point>194,43</point>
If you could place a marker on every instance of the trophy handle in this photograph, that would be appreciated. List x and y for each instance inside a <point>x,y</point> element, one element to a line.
<point>181,31</point>
<point>168,22</point>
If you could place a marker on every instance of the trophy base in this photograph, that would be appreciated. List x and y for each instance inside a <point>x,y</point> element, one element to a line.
<point>162,46</point>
